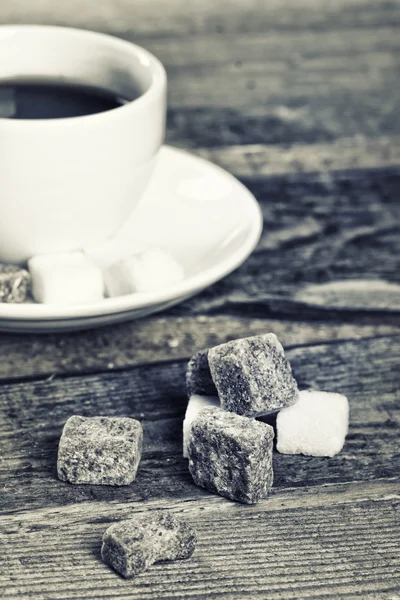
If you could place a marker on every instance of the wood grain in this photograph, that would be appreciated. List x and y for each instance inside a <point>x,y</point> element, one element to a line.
<point>156,339</point>
<point>329,529</point>
<point>32,416</point>
<point>280,89</point>
<point>172,17</point>
<point>318,228</point>
<point>263,160</point>
<point>337,542</point>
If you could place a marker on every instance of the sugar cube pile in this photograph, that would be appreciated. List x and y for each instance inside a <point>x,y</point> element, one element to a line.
<point>99,450</point>
<point>65,279</point>
<point>229,451</point>
<point>316,425</point>
<point>228,387</point>
<point>130,547</point>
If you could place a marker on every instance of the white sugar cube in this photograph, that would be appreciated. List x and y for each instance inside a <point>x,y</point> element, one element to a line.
<point>316,425</point>
<point>110,256</point>
<point>151,270</point>
<point>195,405</point>
<point>65,278</point>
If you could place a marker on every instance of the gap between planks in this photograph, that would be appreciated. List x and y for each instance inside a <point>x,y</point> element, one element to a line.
<point>306,551</point>
<point>158,340</point>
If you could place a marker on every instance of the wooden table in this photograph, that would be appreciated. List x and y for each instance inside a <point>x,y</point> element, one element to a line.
<point>300,100</point>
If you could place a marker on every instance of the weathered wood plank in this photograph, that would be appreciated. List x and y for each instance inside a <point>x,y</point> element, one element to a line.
<point>283,89</point>
<point>32,416</point>
<point>318,228</point>
<point>262,160</point>
<point>326,495</point>
<point>157,339</point>
<point>172,17</point>
<point>341,541</point>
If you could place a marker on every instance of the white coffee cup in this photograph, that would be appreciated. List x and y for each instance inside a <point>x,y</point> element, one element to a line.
<point>70,183</point>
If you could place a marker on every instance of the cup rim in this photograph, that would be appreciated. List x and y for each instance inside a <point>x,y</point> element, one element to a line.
<point>155,89</point>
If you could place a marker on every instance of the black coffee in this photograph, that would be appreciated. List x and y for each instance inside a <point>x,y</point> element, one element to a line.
<point>48,100</point>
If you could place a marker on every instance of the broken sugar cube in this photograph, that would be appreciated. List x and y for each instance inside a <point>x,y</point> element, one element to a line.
<point>152,270</point>
<point>316,425</point>
<point>100,450</point>
<point>252,375</point>
<point>65,278</point>
<point>130,547</point>
<point>231,455</point>
<point>195,405</point>
<point>198,376</point>
<point>14,283</point>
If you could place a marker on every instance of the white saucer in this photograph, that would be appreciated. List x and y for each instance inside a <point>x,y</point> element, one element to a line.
<point>203,215</point>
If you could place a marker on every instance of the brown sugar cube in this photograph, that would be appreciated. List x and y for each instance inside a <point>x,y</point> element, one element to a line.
<point>14,283</point>
<point>252,375</point>
<point>100,450</point>
<point>130,547</point>
<point>231,455</point>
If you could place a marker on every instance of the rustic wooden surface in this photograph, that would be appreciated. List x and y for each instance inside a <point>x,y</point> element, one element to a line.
<point>300,100</point>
